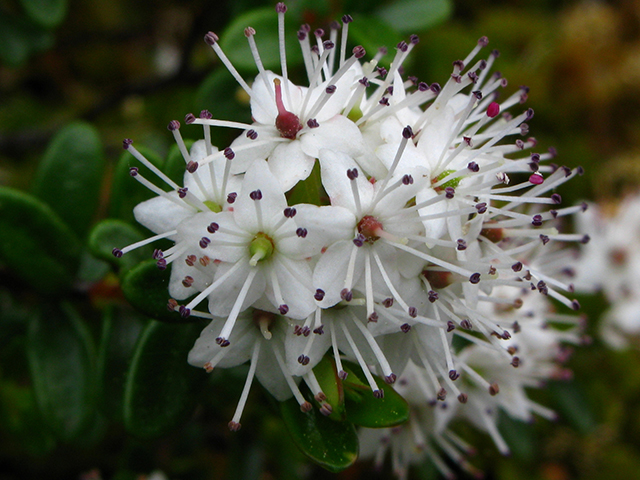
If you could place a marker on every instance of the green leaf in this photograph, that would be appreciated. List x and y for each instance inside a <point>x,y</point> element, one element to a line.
<point>70,175</point>
<point>411,16</point>
<point>126,193</point>
<point>120,332</point>
<point>20,38</point>
<point>571,403</point>
<point>145,286</point>
<point>373,33</point>
<point>310,190</point>
<point>331,385</point>
<point>265,22</point>
<point>47,13</point>
<point>35,243</point>
<point>60,354</point>
<point>331,444</point>
<point>364,409</point>
<point>519,436</point>
<point>112,233</point>
<point>160,390</point>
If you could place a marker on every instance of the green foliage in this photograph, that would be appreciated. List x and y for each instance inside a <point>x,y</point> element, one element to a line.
<point>112,233</point>
<point>161,386</point>
<point>69,176</point>
<point>329,443</point>
<point>20,38</point>
<point>36,243</point>
<point>414,16</point>
<point>62,361</point>
<point>48,13</point>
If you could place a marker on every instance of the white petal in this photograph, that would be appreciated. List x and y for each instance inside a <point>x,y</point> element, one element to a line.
<point>289,164</point>
<point>338,133</point>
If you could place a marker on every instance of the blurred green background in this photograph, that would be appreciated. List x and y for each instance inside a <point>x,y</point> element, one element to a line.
<point>124,69</point>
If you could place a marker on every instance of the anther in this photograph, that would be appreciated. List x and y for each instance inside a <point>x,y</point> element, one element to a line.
<point>192,166</point>
<point>306,407</point>
<point>378,393</point>
<point>255,195</point>
<point>402,46</point>
<point>347,19</point>
<point>126,143</point>
<point>281,7</point>
<point>441,395</point>
<point>536,220</point>
<point>342,375</point>
<point>463,397</point>
<point>474,167</point>
<point>223,342</point>
<point>433,296</point>
<point>453,375</point>
<point>352,174</point>
<point>544,239</point>
<point>475,278</point>
<point>213,227</point>
<point>575,304</point>
<point>210,38</point>
<point>229,154</point>
<point>117,252</point>
<point>405,327</point>
<point>303,360</point>
<point>283,309</point>
<point>133,171</point>
<point>466,324</point>
<point>407,180</point>
<point>190,260</point>
<point>413,312</point>
<point>252,134</point>
<point>234,426</point>
<point>449,192</point>
<point>387,302</point>
<point>557,199</point>
<point>172,304</point>
<point>173,125</point>
<point>301,232</point>
<point>407,132</point>
<point>481,207</point>
<point>184,311</point>
<point>189,118</point>
<point>161,264</point>
<point>359,51</point>
<point>187,281</point>
<point>390,379</point>
<point>290,212</point>
<point>319,295</point>
<point>516,267</point>
<point>373,317</point>
<point>346,295</point>
<point>206,114</point>
<point>312,123</point>
<point>515,362</point>
<point>232,197</point>
<point>462,245</point>
<point>319,330</point>
<point>182,192</point>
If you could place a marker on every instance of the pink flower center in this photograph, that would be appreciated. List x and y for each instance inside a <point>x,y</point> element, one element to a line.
<point>370,227</point>
<point>287,123</point>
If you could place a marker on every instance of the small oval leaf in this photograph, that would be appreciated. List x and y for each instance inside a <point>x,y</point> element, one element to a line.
<point>69,177</point>
<point>146,288</point>
<point>160,390</point>
<point>364,409</point>
<point>35,243</point>
<point>331,385</point>
<point>47,13</point>
<point>120,331</point>
<point>329,443</point>
<point>112,233</point>
<point>61,354</point>
<point>411,16</point>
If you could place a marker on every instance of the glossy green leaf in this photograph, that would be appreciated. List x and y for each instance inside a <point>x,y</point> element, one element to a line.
<point>35,243</point>
<point>61,354</point>
<point>47,13</point>
<point>70,175</point>
<point>331,385</point>
<point>126,192</point>
<point>265,22</point>
<point>572,405</point>
<point>519,436</point>
<point>112,233</point>
<point>373,33</point>
<point>160,390</point>
<point>364,409</point>
<point>145,286</point>
<point>20,38</point>
<point>329,443</point>
<point>310,190</point>
<point>120,331</point>
<point>411,16</point>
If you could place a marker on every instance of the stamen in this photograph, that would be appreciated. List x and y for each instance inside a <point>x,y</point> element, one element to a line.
<point>234,424</point>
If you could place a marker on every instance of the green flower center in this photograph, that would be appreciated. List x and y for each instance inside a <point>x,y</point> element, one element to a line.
<point>261,248</point>
<point>213,206</point>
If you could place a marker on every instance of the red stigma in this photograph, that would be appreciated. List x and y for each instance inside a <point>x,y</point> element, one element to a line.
<point>369,227</point>
<point>287,123</point>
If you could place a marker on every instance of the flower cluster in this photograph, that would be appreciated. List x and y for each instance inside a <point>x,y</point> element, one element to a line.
<point>608,265</point>
<point>438,224</point>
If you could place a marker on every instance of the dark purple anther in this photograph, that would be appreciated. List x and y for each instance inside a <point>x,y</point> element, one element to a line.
<point>189,118</point>
<point>301,232</point>
<point>173,125</point>
<point>255,195</point>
